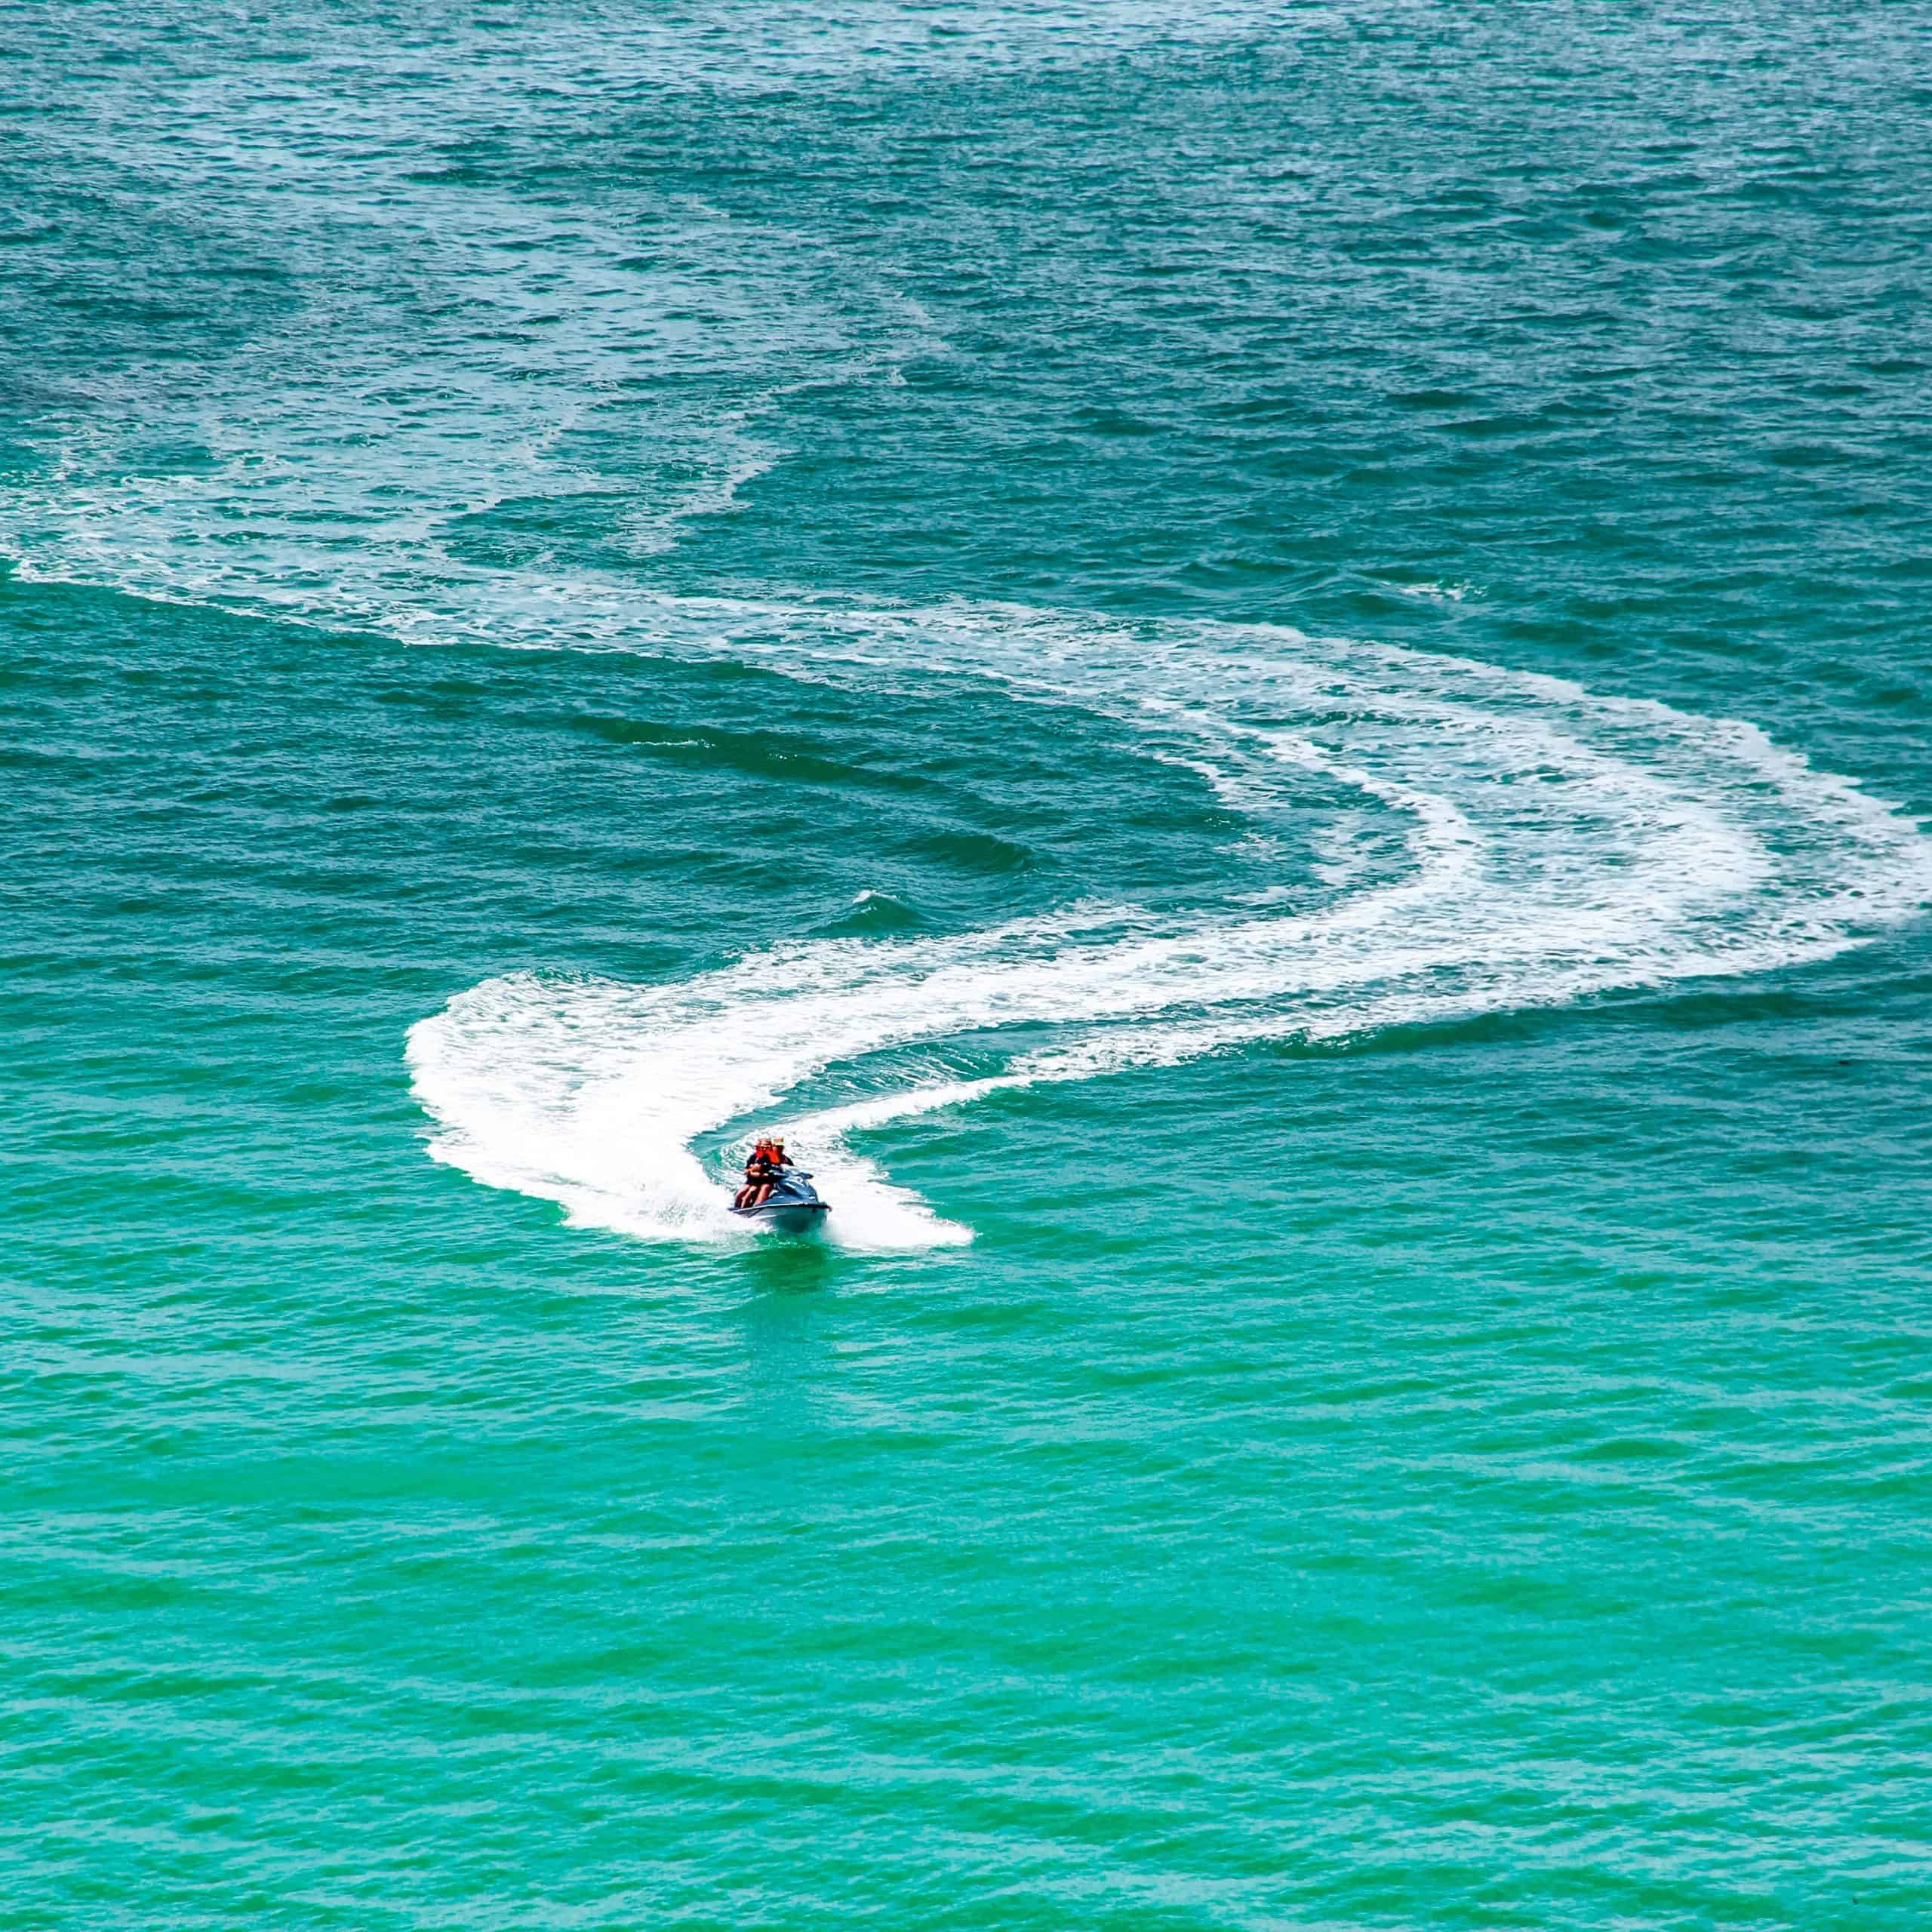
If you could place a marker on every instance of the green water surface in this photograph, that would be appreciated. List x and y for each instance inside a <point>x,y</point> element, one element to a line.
<point>1468,1472</point>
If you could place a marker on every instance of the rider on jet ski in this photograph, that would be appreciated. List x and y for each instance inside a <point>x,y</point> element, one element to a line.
<point>762,1170</point>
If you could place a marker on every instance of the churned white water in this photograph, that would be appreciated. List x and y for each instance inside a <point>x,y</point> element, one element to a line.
<point>1557,845</point>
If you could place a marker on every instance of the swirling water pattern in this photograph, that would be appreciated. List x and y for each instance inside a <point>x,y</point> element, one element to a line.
<point>1263,671</point>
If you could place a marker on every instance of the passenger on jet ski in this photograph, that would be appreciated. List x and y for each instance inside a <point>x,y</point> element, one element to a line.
<point>762,1171</point>
<point>776,1196</point>
<point>760,1174</point>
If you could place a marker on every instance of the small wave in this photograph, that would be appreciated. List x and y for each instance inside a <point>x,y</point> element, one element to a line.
<point>1441,593</point>
<point>873,913</point>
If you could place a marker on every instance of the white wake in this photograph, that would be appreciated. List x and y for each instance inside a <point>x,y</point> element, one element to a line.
<point>1557,844</point>
<point>470,363</point>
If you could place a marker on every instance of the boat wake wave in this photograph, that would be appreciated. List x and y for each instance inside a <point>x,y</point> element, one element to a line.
<point>1496,840</point>
<point>1502,840</point>
<point>608,377</point>
<point>1511,841</point>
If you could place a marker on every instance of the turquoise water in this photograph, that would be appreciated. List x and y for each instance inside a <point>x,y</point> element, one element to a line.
<point>1263,674</point>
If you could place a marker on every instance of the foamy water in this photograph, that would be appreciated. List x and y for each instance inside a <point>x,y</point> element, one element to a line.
<point>1559,845</point>
<point>1556,844</point>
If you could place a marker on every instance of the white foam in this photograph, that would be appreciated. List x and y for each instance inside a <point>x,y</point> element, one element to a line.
<point>1559,845</point>
<point>1439,593</point>
<point>1507,840</point>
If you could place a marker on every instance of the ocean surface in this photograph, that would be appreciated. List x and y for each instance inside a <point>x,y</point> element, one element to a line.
<point>1263,671</point>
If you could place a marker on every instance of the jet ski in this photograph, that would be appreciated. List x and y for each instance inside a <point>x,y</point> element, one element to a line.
<point>791,1208</point>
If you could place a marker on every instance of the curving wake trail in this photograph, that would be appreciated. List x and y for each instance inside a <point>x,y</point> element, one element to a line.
<point>1509,841</point>
<point>1495,839</point>
<point>610,370</point>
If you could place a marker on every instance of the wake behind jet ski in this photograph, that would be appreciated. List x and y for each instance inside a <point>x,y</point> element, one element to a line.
<point>777,1195</point>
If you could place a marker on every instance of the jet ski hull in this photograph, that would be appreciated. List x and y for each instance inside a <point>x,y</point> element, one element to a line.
<point>792,1208</point>
<point>785,1217</point>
